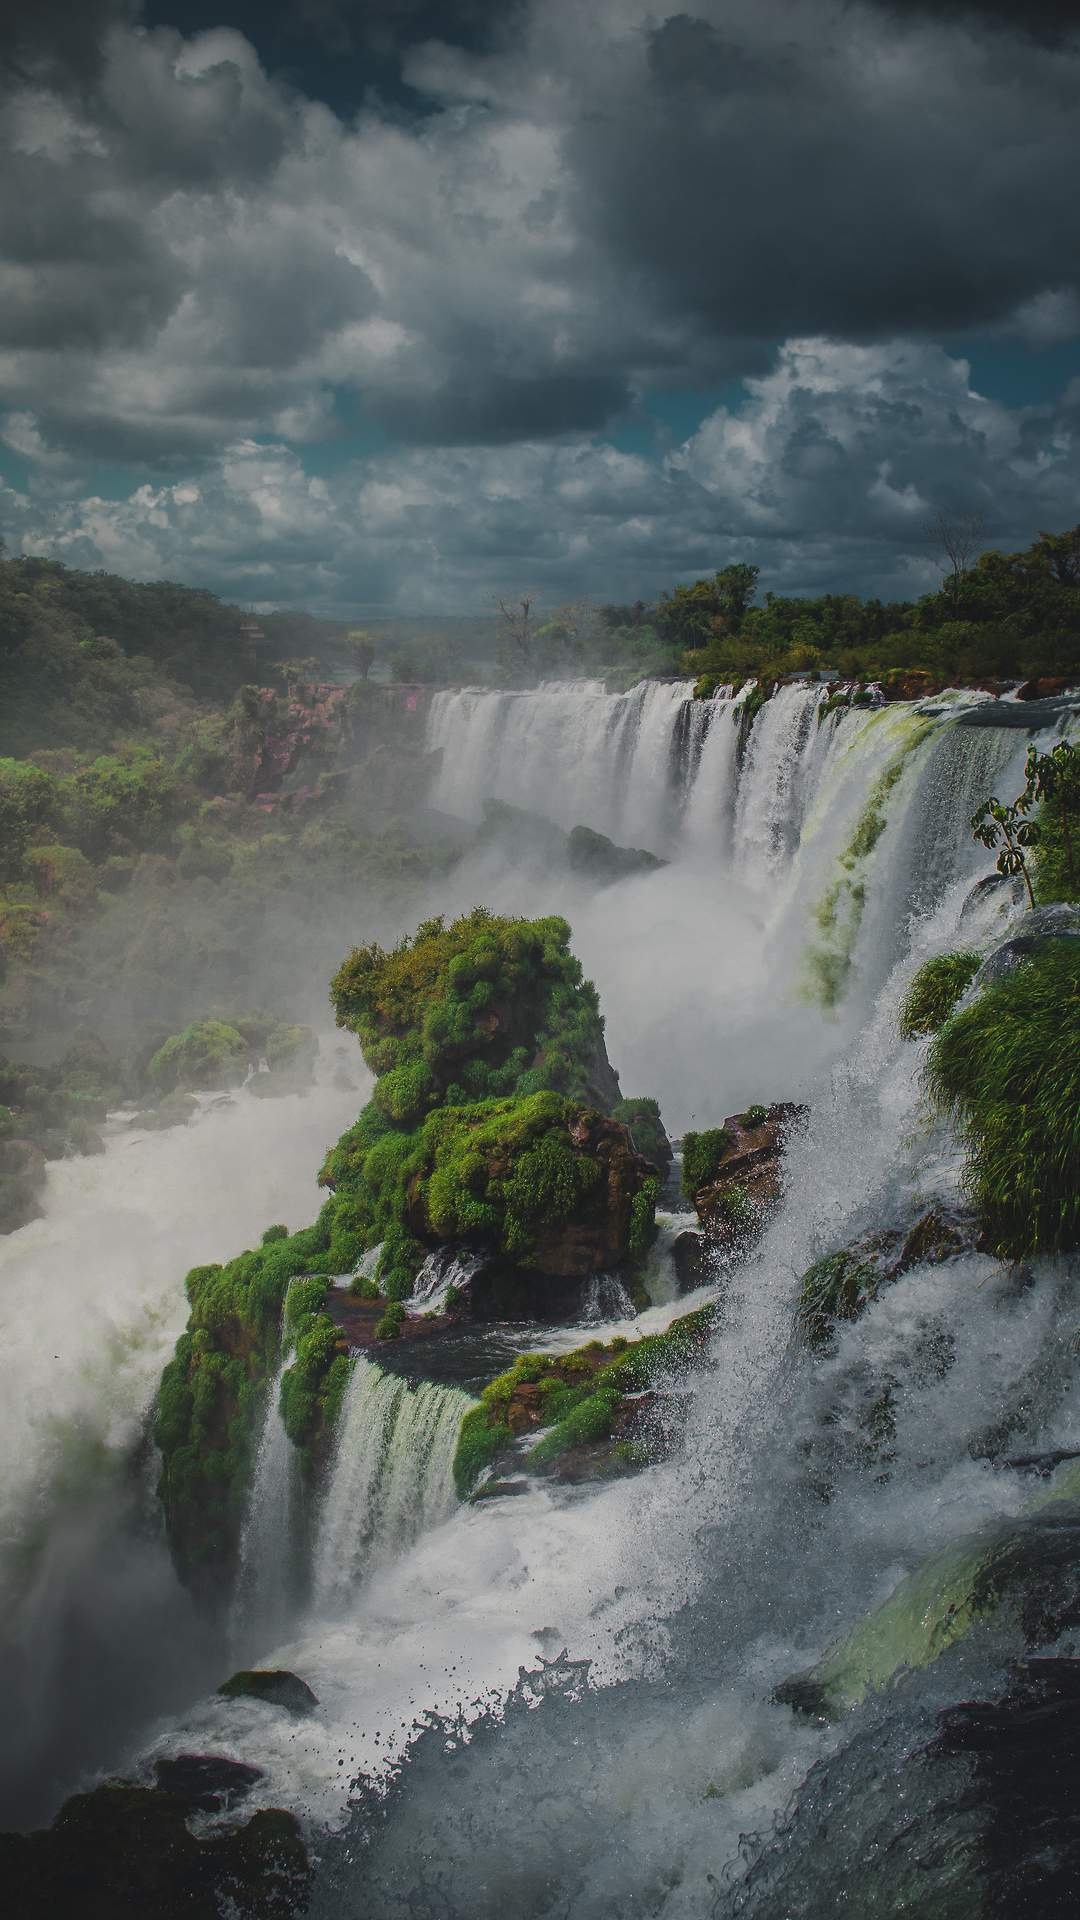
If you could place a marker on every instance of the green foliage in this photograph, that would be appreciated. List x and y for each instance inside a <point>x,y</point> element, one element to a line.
<point>835,1288</point>
<point>1008,1069</point>
<point>213,1392</point>
<point>934,992</point>
<point>205,1056</point>
<point>643,1220</point>
<point>500,1168</point>
<point>480,1441</point>
<point>755,1116</point>
<point>642,1116</point>
<point>580,1392</point>
<point>702,1154</point>
<point>389,1325</point>
<point>484,1007</point>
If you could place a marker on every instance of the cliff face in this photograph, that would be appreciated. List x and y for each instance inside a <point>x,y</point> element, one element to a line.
<point>485,1134</point>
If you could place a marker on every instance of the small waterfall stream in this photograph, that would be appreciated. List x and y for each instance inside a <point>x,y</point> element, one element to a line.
<point>267,1579</point>
<point>391,1477</point>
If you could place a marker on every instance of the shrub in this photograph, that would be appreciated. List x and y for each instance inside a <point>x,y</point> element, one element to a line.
<point>1008,1069</point>
<point>835,1288</point>
<point>207,1055</point>
<point>389,1326</point>
<point>702,1154</point>
<point>934,992</point>
<point>642,1116</point>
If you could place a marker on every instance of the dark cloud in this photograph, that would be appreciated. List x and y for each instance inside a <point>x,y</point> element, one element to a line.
<point>867,177</point>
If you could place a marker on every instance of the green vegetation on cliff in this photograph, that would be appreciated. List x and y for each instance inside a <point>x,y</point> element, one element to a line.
<point>1007,1068</point>
<point>934,992</point>
<point>574,1398</point>
<point>542,1182</point>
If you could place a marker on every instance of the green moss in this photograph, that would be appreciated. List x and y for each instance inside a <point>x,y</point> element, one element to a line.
<point>1008,1069</point>
<point>207,1055</point>
<point>836,1288</point>
<point>755,1116</point>
<point>642,1116</point>
<point>480,1441</point>
<point>580,1393</point>
<point>643,1220</point>
<point>590,1419</point>
<point>934,992</point>
<point>702,1154</point>
<point>389,1326</point>
<point>839,913</point>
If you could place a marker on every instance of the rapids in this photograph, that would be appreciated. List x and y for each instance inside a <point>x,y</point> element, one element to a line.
<point>456,1763</point>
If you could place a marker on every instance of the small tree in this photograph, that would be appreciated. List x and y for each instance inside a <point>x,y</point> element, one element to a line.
<point>360,648</point>
<point>299,673</point>
<point>996,822</point>
<point>517,614</point>
<point>1054,778</point>
<point>957,537</point>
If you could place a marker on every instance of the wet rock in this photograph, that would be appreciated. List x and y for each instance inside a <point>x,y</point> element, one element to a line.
<point>1027,1569</point>
<point>689,1259</point>
<point>207,1781</point>
<point>842,1285</point>
<point>275,1686</point>
<point>128,1850</point>
<point>499,1490</point>
<point>734,1206</point>
<point>1033,932</point>
<point>602,862</point>
<point>1003,890</point>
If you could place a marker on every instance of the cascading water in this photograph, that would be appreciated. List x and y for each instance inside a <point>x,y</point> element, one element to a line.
<point>806,1487</point>
<point>391,1478</point>
<point>266,1585</point>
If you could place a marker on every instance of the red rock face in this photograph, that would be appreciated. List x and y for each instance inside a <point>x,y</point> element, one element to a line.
<point>751,1167</point>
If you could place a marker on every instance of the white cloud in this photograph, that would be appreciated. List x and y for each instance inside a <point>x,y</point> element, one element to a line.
<point>825,475</point>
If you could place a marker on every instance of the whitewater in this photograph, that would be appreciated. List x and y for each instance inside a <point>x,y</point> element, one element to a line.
<point>591,1669</point>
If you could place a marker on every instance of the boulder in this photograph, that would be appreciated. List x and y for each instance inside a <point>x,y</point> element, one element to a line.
<point>275,1686</point>
<point>689,1257</point>
<point>1035,931</point>
<point>207,1781</point>
<point>127,1849</point>
<point>746,1185</point>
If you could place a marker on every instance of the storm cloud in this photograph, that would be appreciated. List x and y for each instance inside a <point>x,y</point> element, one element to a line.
<point>560,212</point>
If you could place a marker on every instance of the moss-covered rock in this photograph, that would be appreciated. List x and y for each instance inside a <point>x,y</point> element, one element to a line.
<point>206,1056</point>
<point>595,1393</point>
<point>842,1284</point>
<point>642,1116</point>
<point>212,1398</point>
<point>129,1849</point>
<point>733,1173</point>
<point>1007,1068</point>
<point>482,1008</point>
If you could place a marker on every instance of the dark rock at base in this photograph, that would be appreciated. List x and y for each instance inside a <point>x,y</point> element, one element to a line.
<point>275,1686</point>
<point>207,1781</point>
<point>124,1849</point>
<point>22,1178</point>
<point>175,1110</point>
<point>1043,1464</point>
<point>597,857</point>
<point>688,1257</point>
<point>498,1490</point>
<point>1035,931</point>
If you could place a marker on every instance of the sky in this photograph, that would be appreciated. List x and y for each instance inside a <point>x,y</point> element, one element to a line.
<point>400,306</point>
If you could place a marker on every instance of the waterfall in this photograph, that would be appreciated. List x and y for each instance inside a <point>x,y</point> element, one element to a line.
<point>769,808</point>
<point>444,1269</point>
<point>266,1582</point>
<point>391,1477</point>
<point>605,1298</point>
<point>569,751</point>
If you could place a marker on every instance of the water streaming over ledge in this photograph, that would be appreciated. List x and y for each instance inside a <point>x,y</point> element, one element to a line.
<point>391,1477</point>
<point>689,1586</point>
